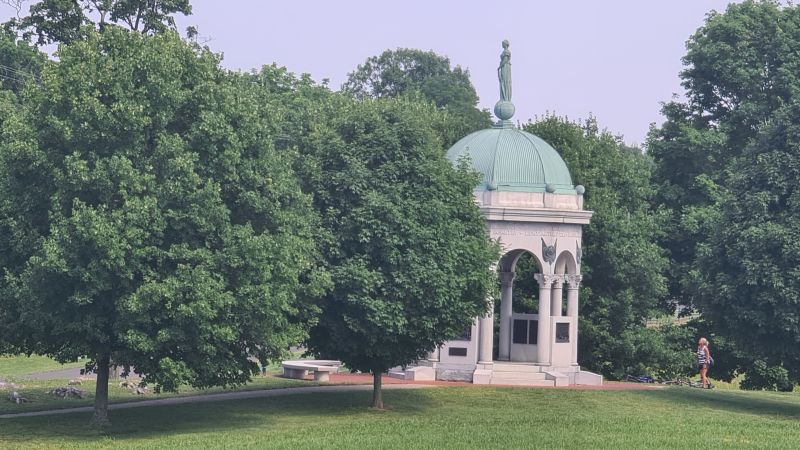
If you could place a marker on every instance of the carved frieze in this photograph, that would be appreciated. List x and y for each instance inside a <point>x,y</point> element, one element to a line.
<point>573,281</point>
<point>507,277</point>
<point>546,280</point>
<point>549,252</point>
<point>532,229</point>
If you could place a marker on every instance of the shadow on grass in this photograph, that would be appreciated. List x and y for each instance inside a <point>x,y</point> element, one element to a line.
<point>39,398</point>
<point>204,417</point>
<point>766,404</point>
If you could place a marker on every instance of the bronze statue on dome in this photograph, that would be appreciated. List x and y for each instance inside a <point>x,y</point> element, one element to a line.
<point>504,73</point>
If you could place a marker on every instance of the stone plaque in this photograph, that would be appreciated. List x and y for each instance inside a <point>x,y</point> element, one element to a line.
<point>562,333</point>
<point>520,332</point>
<point>457,351</point>
<point>533,332</point>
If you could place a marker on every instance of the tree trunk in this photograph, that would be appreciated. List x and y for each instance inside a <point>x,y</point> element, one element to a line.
<point>100,417</point>
<point>377,394</point>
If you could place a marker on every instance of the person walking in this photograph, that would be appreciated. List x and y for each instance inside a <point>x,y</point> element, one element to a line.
<point>703,361</point>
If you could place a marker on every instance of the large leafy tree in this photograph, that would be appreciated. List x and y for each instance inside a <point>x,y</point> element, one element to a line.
<point>408,253</point>
<point>725,167</point>
<point>65,21</point>
<point>146,219</point>
<point>8,105</point>
<point>403,71</point>
<point>748,268</point>
<point>689,157</point>
<point>623,266</point>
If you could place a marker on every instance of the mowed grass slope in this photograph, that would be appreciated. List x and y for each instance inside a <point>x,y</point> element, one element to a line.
<point>20,365</point>
<point>440,418</point>
<point>40,399</point>
<point>17,369</point>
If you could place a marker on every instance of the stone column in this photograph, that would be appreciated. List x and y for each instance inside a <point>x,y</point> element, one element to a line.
<point>573,286</point>
<point>507,287</point>
<point>543,337</point>
<point>557,307</point>
<point>486,330</point>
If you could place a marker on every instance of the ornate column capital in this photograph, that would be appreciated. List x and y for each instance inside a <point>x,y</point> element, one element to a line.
<point>507,277</point>
<point>546,280</point>
<point>574,281</point>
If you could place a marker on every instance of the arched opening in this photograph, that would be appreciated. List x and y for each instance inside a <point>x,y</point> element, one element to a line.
<point>516,312</point>
<point>565,265</point>
<point>524,265</point>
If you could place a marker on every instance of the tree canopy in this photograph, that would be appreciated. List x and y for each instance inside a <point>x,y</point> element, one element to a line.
<point>727,168</point>
<point>623,266</point>
<point>66,21</point>
<point>146,219</point>
<point>409,254</point>
<point>20,63</point>
<point>403,71</point>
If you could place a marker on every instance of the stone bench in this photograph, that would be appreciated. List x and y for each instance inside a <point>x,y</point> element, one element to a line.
<point>320,367</point>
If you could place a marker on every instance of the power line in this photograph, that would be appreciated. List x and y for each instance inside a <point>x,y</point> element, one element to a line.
<point>11,69</point>
<point>18,71</point>
<point>16,75</point>
<point>17,80</point>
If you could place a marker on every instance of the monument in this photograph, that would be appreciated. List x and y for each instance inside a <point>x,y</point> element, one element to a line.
<point>531,206</point>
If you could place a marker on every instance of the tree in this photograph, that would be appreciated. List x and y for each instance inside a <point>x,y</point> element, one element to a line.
<point>66,21</point>
<point>7,107</point>
<point>409,254</point>
<point>623,267</point>
<point>146,220</point>
<point>726,168</point>
<point>747,267</point>
<point>19,63</point>
<point>689,162</point>
<point>405,71</point>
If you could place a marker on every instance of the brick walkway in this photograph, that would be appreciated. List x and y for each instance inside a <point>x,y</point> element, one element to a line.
<point>360,378</point>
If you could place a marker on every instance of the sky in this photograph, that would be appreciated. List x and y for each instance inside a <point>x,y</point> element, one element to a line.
<point>614,59</point>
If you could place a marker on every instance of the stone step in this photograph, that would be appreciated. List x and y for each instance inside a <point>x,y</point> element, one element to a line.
<point>523,382</point>
<point>518,376</point>
<point>397,374</point>
<point>558,378</point>
<point>522,368</point>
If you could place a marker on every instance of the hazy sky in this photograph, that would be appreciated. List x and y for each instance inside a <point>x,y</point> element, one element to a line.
<point>615,59</point>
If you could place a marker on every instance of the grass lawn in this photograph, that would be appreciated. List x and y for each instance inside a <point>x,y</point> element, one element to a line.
<point>440,418</point>
<point>18,366</point>
<point>15,368</point>
<point>40,399</point>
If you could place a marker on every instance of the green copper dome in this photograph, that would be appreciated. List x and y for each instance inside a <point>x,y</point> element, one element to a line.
<point>513,160</point>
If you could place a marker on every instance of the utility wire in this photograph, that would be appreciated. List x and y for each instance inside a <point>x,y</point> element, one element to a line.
<point>18,71</point>
<point>16,75</point>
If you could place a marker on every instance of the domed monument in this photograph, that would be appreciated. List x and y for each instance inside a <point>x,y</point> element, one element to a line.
<point>531,206</point>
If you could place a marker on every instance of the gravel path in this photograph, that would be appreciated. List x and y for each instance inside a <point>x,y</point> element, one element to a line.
<point>218,397</point>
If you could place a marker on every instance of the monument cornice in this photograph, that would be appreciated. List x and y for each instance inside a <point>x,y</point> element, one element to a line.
<point>507,214</point>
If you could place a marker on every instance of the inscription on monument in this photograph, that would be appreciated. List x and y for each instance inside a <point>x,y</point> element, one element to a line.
<point>516,229</point>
